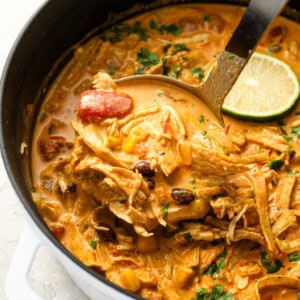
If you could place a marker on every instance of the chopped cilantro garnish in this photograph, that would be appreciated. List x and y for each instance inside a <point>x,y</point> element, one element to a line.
<point>202,294</point>
<point>147,58</point>
<point>160,94</point>
<point>117,33</point>
<point>222,260</point>
<point>165,68</point>
<point>275,164</point>
<point>283,131</point>
<point>167,47</point>
<point>94,244</point>
<point>217,293</point>
<point>179,48</point>
<point>188,237</point>
<point>296,131</point>
<point>172,29</point>
<point>201,119</point>
<point>198,72</point>
<point>211,269</point>
<point>137,29</point>
<point>175,71</point>
<point>231,56</point>
<point>287,138</point>
<point>267,263</point>
<point>293,172</point>
<point>192,181</point>
<point>217,267</point>
<point>111,71</point>
<point>166,210</point>
<point>293,257</point>
<point>206,19</point>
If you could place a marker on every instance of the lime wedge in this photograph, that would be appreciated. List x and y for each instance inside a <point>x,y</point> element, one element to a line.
<point>267,88</point>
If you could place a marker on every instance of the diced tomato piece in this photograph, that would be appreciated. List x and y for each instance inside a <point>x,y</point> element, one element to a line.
<point>227,129</point>
<point>166,126</point>
<point>103,104</point>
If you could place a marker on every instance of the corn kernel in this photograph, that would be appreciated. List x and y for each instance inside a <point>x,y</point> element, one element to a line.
<point>130,143</point>
<point>113,141</point>
<point>129,280</point>
<point>185,151</point>
<point>140,133</point>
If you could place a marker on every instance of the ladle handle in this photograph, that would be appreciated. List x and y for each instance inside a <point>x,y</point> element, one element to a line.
<point>258,16</point>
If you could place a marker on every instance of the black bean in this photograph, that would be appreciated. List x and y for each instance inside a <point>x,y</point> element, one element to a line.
<point>150,182</point>
<point>144,168</point>
<point>182,196</point>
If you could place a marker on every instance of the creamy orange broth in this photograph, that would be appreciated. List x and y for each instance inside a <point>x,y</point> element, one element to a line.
<point>214,164</point>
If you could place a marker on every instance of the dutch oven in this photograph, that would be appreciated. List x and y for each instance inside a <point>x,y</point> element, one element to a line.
<point>47,41</point>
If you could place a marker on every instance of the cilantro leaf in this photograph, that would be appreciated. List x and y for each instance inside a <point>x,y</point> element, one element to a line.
<point>283,131</point>
<point>222,260</point>
<point>217,267</point>
<point>188,237</point>
<point>166,210</point>
<point>172,29</point>
<point>192,181</point>
<point>218,293</point>
<point>287,138</point>
<point>206,19</point>
<point>111,71</point>
<point>198,72</point>
<point>117,33</point>
<point>141,32</point>
<point>94,244</point>
<point>211,269</point>
<point>147,58</point>
<point>179,48</point>
<point>292,172</point>
<point>201,119</point>
<point>167,47</point>
<point>202,294</point>
<point>296,131</point>
<point>175,71</point>
<point>267,263</point>
<point>293,257</point>
<point>275,164</point>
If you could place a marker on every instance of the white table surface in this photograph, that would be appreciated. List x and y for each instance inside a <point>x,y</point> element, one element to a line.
<point>47,277</point>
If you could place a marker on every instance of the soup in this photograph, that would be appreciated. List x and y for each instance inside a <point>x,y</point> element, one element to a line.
<point>141,183</point>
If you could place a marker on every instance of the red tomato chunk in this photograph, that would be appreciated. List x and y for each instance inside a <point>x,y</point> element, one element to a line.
<point>103,104</point>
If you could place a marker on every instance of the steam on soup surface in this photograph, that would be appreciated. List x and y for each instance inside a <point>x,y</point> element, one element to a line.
<point>141,183</point>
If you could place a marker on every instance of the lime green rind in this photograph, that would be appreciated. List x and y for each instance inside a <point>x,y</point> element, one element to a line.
<point>262,117</point>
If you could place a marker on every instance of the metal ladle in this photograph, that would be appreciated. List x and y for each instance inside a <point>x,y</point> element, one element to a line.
<point>257,18</point>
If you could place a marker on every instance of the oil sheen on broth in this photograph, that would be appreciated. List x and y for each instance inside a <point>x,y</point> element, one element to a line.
<point>161,200</point>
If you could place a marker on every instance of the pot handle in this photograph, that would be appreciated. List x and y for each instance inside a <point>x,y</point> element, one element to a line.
<point>16,284</point>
